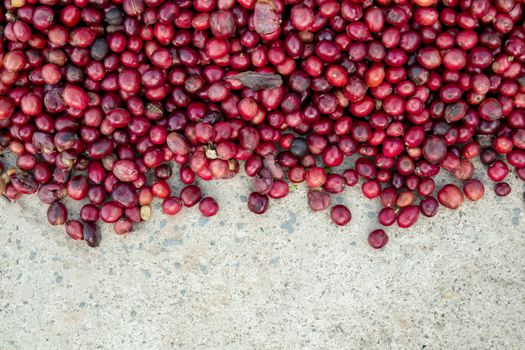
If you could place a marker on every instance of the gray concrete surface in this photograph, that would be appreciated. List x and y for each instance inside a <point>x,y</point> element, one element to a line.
<point>286,280</point>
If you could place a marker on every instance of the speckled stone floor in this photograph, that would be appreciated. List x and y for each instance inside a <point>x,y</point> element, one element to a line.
<point>286,280</point>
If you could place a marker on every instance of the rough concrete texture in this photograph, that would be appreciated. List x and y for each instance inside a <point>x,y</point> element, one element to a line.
<point>286,280</point>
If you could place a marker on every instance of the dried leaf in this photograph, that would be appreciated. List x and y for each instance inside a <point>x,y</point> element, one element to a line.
<point>258,81</point>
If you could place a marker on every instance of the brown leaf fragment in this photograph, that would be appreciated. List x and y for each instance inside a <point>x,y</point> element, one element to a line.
<point>258,81</point>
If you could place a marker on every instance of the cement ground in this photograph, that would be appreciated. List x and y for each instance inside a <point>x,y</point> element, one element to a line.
<point>286,280</point>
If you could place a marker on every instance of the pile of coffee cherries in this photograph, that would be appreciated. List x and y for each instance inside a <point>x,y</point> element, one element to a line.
<point>101,101</point>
